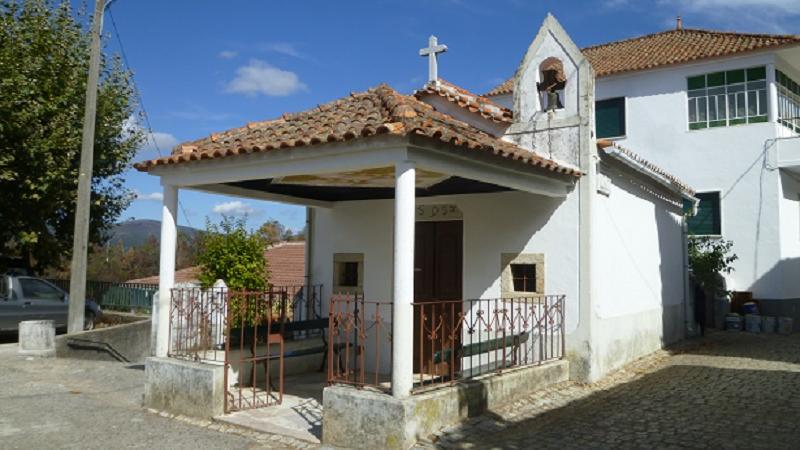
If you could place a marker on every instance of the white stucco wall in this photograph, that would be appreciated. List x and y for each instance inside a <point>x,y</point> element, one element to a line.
<point>728,159</point>
<point>637,273</point>
<point>790,233</point>
<point>494,224</point>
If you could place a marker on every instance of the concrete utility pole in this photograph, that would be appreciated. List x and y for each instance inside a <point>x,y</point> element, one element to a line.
<point>77,282</point>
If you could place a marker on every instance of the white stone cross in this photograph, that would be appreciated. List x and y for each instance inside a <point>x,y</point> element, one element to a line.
<point>431,52</point>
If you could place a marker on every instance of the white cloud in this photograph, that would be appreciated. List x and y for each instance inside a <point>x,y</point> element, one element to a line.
<point>234,208</point>
<point>258,77</point>
<point>284,48</point>
<point>787,6</point>
<point>153,196</point>
<point>227,54</point>
<point>154,144</point>
<point>765,16</point>
<point>162,141</point>
<point>759,16</point>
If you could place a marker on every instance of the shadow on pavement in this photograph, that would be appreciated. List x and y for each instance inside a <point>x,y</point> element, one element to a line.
<point>741,404</point>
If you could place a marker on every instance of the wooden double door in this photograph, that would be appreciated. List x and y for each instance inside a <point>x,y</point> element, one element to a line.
<point>438,278</point>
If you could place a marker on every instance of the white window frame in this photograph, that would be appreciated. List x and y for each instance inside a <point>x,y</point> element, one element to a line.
<point>730,112</point>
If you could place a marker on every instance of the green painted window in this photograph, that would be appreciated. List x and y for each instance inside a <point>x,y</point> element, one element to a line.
<point>728,98</point>
<point>788,101</point>
<point>708,220</point>
<point>610,117</point>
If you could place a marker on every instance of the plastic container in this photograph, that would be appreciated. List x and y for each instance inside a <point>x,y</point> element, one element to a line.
<point>752,323</point>
<point>733,322</point>
<point>785,325</point>
<point>750,308</point>
<point>768,324</point>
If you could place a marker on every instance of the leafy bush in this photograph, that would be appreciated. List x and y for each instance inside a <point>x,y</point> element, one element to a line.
<point>231,253</point>
<point>708,259</point>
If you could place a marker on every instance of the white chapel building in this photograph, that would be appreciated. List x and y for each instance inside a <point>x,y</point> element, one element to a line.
<point>557,198</point>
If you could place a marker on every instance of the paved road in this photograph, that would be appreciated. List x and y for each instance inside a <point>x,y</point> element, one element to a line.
<point>730,390</point>
<point>59,403</point>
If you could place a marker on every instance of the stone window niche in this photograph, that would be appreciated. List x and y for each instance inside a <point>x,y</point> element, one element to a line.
<point>552,84</point>
<point>522,274</point>
<point>348,273</point>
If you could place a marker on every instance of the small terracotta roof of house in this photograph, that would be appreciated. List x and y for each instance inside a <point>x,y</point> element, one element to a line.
<point>286,262</point>
<point>185,275</point>
<point>380,110</point>
<point>668,48</point>
<point>467,100</point>
<point>604,145</point>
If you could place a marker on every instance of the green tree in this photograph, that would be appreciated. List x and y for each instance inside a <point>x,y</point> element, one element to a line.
<point>708,259</point>
<point>231,253</point>
<point>44,53</point>
<point>273,232</point>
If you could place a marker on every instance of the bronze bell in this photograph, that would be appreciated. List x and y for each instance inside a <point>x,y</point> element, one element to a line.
<point>553,102</point>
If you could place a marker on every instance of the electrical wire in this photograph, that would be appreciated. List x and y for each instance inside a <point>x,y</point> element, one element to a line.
<point>139,97</point>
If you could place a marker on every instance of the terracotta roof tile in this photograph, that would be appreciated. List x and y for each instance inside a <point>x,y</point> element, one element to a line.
<point>604,145</point>
<point>186,275</point>
<point>287,264</point>
<point>668,48</point>
<point>380,110</point>
<point>467,100</point>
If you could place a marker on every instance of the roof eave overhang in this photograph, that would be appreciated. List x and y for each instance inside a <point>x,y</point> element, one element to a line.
<point>650,173</point>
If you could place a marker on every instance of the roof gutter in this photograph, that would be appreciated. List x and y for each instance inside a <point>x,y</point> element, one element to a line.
<point>644,170</point>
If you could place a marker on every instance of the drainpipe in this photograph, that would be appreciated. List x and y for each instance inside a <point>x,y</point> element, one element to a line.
<point>687,322</point>
<point>309,242</point>
<point>308,256</point>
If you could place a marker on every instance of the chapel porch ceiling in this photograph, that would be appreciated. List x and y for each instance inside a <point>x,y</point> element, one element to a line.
<point>381,177</point>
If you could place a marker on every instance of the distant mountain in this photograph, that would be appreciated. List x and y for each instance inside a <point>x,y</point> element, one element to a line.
<point>133,233</point>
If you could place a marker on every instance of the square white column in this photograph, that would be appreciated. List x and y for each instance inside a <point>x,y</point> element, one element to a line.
<point>403,288</point>
<point>166,268</point>
<point>772,94</point>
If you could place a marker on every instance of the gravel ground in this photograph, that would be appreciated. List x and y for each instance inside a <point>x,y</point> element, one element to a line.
<point>63,403</point>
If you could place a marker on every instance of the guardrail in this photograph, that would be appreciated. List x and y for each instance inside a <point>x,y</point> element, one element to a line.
<point>116,296</point>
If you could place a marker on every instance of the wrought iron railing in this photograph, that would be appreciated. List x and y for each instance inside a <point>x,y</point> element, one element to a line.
<point>359,341</point>
<point>458,339</point>
<point>453,339</point>
<point>199,318</point>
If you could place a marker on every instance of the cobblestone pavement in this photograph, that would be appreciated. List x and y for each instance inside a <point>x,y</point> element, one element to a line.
<point>729,390</point>
<point>66,403</point>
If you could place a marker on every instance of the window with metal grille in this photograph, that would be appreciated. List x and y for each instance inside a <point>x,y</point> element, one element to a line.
<point>733,97</point>
<point>524,277</point>
<point>708,220</point>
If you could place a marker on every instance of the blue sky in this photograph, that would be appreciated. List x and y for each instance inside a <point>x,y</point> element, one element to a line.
<point>204,66</point>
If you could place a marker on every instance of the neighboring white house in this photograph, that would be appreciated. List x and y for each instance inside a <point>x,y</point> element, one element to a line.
<point>722,110</point>
<point>445,196</point>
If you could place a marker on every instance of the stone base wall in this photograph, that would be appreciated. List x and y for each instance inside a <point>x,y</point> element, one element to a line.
<point>362,418</point>
<point>184,387</point>
<point>128,342</point>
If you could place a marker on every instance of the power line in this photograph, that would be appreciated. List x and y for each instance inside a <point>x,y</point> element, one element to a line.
<point>139,97</point>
